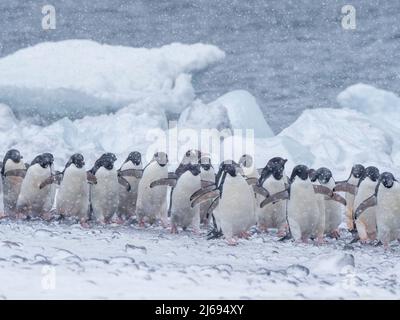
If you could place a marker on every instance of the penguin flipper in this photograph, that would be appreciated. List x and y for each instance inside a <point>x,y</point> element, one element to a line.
<point>137,173</point>
<point>251,181</point>
<point>281,195</point>
<point>323,190</point>
<point>15,173</point>
<point>206,184</point>
<point>288,236</point>
<point>369,202</point>
<point>338,198</point>
<point>345,187</point>
<point>205,197</point>
<point>54,178</point>
<point>202,191</point>
<point>123,182</point>
<point>91,178</point>
<point>261,190</point>
<point>171,182</point>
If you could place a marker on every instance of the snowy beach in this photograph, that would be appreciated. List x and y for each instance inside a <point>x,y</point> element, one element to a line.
<point>41,261</point>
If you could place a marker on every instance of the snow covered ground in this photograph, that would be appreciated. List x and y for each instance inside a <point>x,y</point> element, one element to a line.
<point>40,260</point>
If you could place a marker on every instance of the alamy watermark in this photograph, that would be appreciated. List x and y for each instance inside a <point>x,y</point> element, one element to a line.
<point>219,145</point>
<point>49,19</point>
<point>349,18</point>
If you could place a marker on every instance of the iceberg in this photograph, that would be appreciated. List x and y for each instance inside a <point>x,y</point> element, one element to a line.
<point>75,78</point>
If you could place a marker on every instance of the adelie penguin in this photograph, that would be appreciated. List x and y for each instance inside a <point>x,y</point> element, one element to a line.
<point>182,213</point>
<point>151,202</point>
<point>387,201</point>
<point>132,171</point>
<point>366,222</point>
<point>72,200</point>
<point>303,213</point>
<point>13,171</point>
<point>104,195</point>
<point>273,180</point>
<point>33,200</point>
<point>349,186</point>
<point>233,205</point>
<point>329,202</point>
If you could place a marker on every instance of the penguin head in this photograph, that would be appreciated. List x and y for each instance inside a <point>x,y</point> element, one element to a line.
<point>372,173</point>
<point>246,161</point>
<point>312,173</point>
<point>195,169</point>
<point>45,160</point>
<point>78,160</point>
<point>274,167</point>
<point>109,155</point>
<point>191,156</point>
<point>277,165</point>
<point>300,171</point>
<point>14,155</point>
<point>107,161</point>
<point>205,163</point>
<point>135,157</point>
<point>387,179</point>
<point>323,175</point>
<point>357,171</point>
<point>161,158</point>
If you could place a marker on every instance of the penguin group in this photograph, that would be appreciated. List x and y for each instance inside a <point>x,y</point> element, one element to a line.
<point>307,205</point>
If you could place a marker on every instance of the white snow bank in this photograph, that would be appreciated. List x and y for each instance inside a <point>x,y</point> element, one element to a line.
<point>80,77</point>
<point>125,131</point>
<point>235,110</point>
<point>382,108</point>
<point>244,113</point>
<point>338,138</point>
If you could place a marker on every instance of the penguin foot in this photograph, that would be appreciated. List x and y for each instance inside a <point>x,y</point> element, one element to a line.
<point>232,241</point>
<point>141,223</point>
<point>335,234</point>
<point>174,229</point>
<point>2,215</point>
<point>244,234</point>
<point>47,216</point>
<point>281,233</point>
<point>84,224</point>
<point>262,228</point>
<point>119,221</point>
<point>321,241</point>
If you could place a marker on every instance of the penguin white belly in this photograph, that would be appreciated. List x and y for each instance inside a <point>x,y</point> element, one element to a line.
<point>388,213</point>
<point>350,204</point>
<point>366,222</point>
<point>182,214</point>
<point>235,212</point>
<point>31,199</point>
<point>151,202</point>
<point>206,176</point>
<point>73,195</point>
<point>333,212</point>
<point>128,199</point>
<point>104,194</point>
<point>304,216</point>
<point>273,215</point>
<point>11,187</point>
